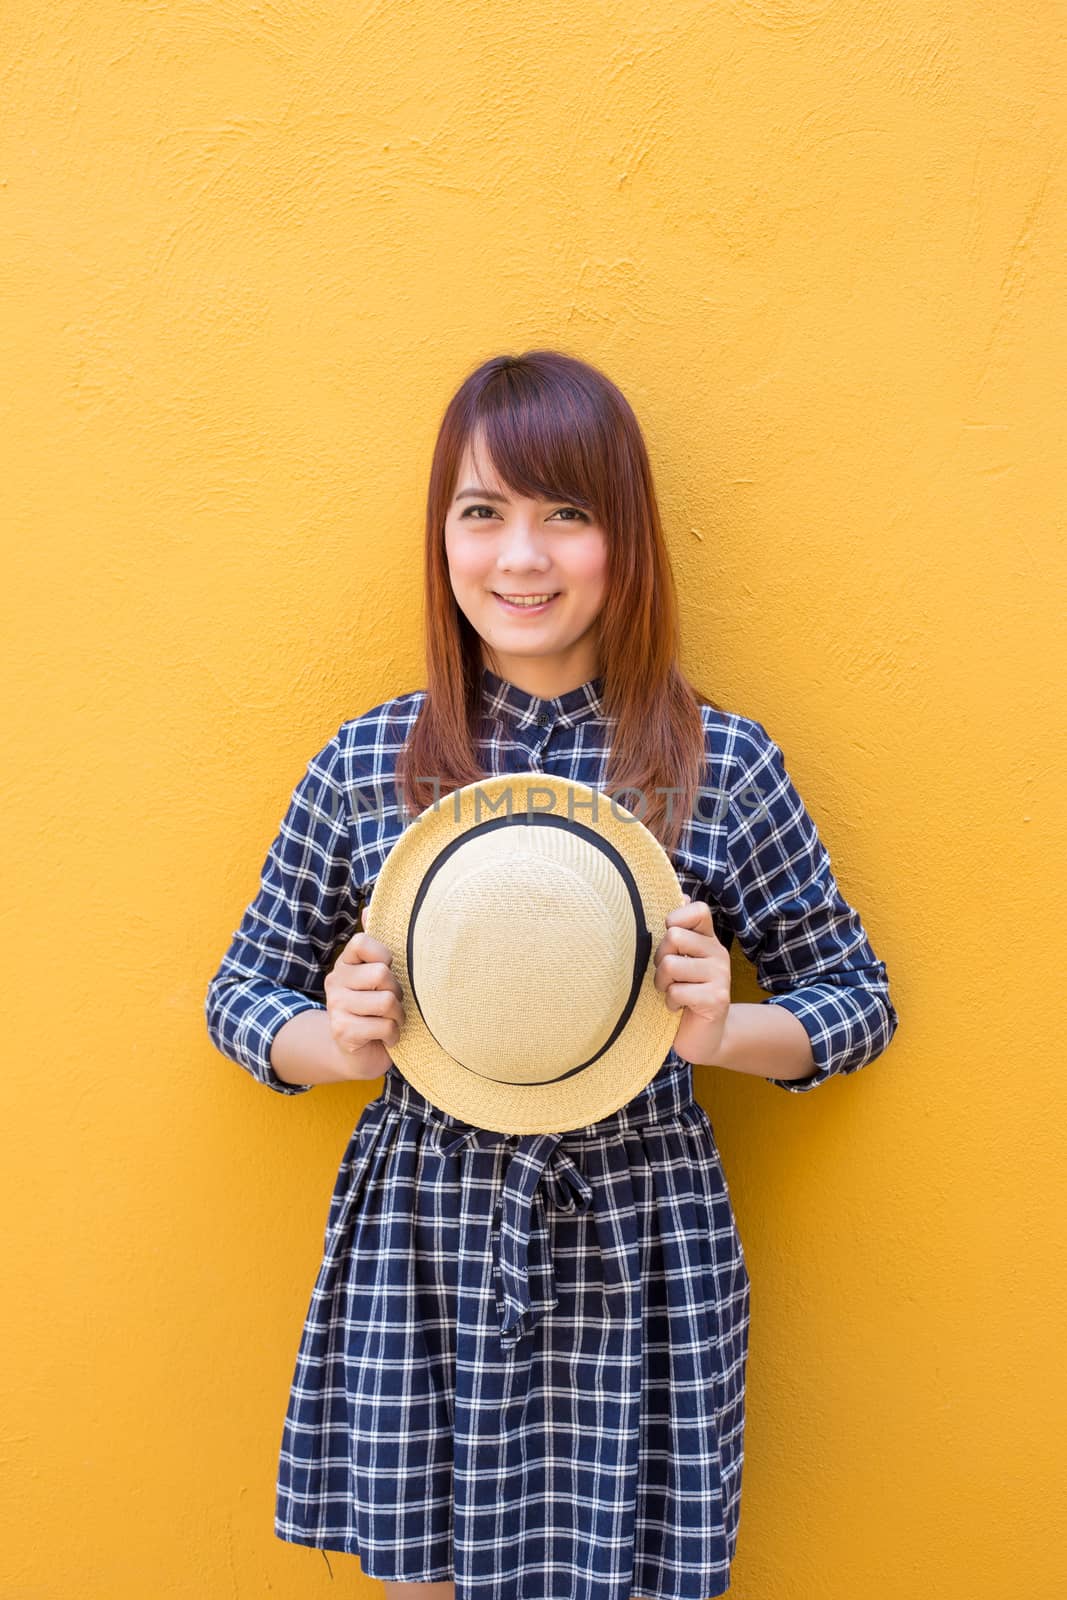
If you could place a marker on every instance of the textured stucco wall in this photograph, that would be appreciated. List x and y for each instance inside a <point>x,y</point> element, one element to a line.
<point>249,249</point>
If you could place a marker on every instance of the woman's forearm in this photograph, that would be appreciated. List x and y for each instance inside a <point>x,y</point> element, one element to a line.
<point>768,1041</point>
<point>304,1051</point>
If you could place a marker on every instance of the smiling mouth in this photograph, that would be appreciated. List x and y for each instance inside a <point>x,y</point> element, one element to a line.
<point>526,602</point>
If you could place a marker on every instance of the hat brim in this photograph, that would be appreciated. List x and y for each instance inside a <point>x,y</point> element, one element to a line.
<point>630,1061</point>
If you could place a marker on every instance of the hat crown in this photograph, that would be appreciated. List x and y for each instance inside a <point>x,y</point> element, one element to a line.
<point>549,916</point>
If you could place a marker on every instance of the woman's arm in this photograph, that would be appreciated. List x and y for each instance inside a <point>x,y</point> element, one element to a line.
<point>763,1040</point>
<point>305,1052</point>
<point>272,976</point>
<point>779,897</point>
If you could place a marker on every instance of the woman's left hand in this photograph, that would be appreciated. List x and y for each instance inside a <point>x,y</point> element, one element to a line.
<point>693,971</point>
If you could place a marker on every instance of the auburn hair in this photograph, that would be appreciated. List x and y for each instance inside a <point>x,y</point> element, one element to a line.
<point>555,427</point>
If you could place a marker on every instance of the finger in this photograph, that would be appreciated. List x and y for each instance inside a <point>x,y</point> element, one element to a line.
<point>358,1029</point>
<point>682,941</point>
<point>694,914</point>
<point>695,938</point>
<point>365,947</point>
<point>698,966</point>
<point>671,969</point>
<point>387,1029</point>
<point>704,997</point>
<point>363,975</point>
<point>371,1003</point>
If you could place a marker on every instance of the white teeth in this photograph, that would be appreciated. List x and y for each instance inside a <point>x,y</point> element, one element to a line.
<point>526,600</point>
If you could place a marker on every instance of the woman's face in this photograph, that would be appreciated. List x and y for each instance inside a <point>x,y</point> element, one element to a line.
<point>500,544</point>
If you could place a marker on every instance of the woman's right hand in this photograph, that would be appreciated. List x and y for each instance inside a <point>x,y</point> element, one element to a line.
<point>364,1005</point>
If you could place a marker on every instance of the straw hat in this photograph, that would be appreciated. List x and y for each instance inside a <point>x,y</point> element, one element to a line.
<point>523,911</point>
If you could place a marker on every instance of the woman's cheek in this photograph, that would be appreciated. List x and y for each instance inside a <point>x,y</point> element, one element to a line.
<point>589,563</point>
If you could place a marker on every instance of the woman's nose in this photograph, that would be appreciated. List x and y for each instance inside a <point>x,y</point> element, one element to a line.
<point>521,546</point>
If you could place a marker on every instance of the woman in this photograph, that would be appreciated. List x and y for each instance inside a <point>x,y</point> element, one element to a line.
<point>600,1455</point>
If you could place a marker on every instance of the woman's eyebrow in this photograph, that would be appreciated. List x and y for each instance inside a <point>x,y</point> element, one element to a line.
<point>482,494</point>
<point>471,493</point>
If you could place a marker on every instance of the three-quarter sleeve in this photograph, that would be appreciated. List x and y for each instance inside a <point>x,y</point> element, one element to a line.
<point>278,957</point>
<point>781,900</point>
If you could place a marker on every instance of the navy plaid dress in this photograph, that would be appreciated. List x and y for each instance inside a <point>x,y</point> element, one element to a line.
<point>523,1361</point>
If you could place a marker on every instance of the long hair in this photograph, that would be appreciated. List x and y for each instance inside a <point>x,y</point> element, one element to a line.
<point>554,426</point>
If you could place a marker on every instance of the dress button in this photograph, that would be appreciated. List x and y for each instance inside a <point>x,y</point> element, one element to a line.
<point>542,721</point>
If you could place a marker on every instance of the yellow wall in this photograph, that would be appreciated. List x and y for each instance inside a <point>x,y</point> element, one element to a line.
<point>249,250</point>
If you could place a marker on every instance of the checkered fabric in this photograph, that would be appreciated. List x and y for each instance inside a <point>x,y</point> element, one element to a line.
<point>522,1367</point>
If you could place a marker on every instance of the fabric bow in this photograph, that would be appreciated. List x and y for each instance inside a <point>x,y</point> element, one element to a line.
<point>517,1225</point>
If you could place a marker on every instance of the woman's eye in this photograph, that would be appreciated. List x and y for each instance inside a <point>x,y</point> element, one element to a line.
<point>574,510</point>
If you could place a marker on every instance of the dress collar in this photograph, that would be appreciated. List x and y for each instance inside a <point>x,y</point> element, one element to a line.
<point>505,699</point>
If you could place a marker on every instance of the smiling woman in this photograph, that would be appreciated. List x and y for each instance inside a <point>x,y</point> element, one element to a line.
<point>424,1433</point>
<point>545,562</point>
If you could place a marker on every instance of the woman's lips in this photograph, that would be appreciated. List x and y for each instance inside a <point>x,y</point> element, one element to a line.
<point>524,611</point>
